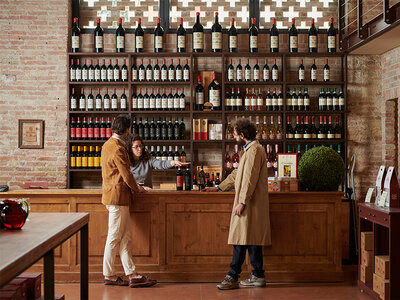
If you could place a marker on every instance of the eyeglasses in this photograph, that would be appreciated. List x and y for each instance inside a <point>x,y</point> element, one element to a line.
<point>137,147</point>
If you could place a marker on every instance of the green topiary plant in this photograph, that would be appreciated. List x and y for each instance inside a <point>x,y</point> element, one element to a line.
<point>321,169</point>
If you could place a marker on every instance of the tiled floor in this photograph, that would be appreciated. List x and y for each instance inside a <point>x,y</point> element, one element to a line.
<point>208,291</point>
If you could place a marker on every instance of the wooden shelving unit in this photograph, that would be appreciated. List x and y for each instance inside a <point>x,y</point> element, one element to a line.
<point>190,113</point>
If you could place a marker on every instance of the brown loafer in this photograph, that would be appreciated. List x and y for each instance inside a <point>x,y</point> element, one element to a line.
<point>142,282</point>
<point>118,282</point>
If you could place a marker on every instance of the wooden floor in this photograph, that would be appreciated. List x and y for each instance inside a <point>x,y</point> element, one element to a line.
<point>208,291</point>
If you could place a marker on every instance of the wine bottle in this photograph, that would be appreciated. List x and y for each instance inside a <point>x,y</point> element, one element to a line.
<point>84,129</point>
<point>327,71</point>
<point>110,72</point>
<point>90,101</point>
<point>239,100</point>
<point>293,38</point>
<point>146,130</point>
<point>182,134</point>
<point>298,130</point>
<point>178,71</point>
<point>260,100</point>
<point>107,104</point>
<point>199,92</point>
<point>280,99</point>
<point>313,38</point>
<point>330,131</point>
<point>124,100</point>
<point>232,40</point>
<point>306,129</point>
<point>198,35</point>
<point>331,37</point>
<point>256,71</point>
<point>186,71</point>
<point>139,37</point>
<point>140,100</point>
<point>182,101</point>
<point>82,101</point>
<point>78,71</point>
<point>176,100</point>
<point>164,101</point>
<point>181,37</point>
<point>274,72</point>
<point>164,71</point>
<point>253,36</point>
<point>228,160</point>
<point>321,100</point>
<point>239,71</point>
<point>91,72</point>
<point>142,71</point>
<point>300,100</point>
<point>75,36</point>
<point>188,176</point>
<point>170,130</point>
<point>337,130</point>
<point>341,99</point>
<point>124,71</point>
<point>98,38</point>
<point>149,71</point>
<point>329,99</point>
<point>266,71</point>
<point>231,71</point>
<point>98,101</point>
<point>171,71</point>
<point>158,37</point>
<point>214,94</point>
<point>216,36</point>
<point>108,128</point>
<point>72,71</point>
<point>85,71</point>
<point>247,71</point>
<point>306,99</point>
<point>120,34</point>
<point>117,74</point>
<point>146,100</point>
<point>73,104</point>
<point>235,158</point>
<point>202,178</point>
<point>274,37</point>
<point>170,100</point>
<point>313,71</point>
<point>114,101</point>
<point>140,128</point>
<point>294,100</point>
<point>268,101</point>
<point>302,71</point>
<point>91,129</point>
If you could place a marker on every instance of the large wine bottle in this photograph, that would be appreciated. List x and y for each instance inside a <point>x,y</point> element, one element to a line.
<point>214,94</point>
<point>181,37</point>
<point>198,35</point>
<point>253,36</point>
<point>158,37</point>
<point>98,38</point>
<point>75,36</point>
<point>139,37</point>
<point>232,42</point>
<point>120,34</point>
<point>216,36</point>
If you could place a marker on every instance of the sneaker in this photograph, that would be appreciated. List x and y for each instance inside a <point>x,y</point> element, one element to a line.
<point>253,281</point>
<point>228,283</point>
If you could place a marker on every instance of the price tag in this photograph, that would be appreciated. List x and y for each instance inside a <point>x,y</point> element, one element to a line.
<point>369,195</point>
<point>382,201</point>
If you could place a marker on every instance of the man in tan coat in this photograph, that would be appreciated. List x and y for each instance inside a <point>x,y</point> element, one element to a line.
<point>119,186</point>
<point>250,227</point>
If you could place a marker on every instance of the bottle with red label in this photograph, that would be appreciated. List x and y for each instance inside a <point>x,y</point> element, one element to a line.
<point>103,127</point>
<point>179,180</point>
<point>108,129</point>
<point>72,134</point>
<point>96,129</point>
<point>78,130</point>
<point>91,129</point>
<point>85,129</point>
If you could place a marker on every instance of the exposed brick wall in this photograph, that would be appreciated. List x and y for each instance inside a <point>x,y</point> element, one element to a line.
<point>33,86</point>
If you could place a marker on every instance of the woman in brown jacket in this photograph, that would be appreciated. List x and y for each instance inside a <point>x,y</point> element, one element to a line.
<point>250,227</point>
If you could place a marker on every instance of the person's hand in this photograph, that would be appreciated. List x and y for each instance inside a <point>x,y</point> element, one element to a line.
<point>177,163</point>
<point>210,189</point>
<point>141,189</point>
<point>238,209</point>
<point>147,188</point>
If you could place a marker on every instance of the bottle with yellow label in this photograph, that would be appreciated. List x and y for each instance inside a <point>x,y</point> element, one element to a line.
<point>73,158</point>
<point>96,158</point>
<point>79,157</point>
<point>85,157</point>
<point>91,157</point>
<point>100,155</point>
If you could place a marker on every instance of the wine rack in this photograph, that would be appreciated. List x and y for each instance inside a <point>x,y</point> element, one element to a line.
<point>190,113</point>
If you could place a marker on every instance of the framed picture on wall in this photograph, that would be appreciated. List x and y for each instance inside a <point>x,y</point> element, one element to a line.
<point>287,165</point>
<point>30,134</point>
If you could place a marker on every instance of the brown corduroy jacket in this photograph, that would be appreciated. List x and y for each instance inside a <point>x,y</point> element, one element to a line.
<point>118,181</point>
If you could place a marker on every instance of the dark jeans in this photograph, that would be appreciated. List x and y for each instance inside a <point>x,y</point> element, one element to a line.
<point>256,260</point>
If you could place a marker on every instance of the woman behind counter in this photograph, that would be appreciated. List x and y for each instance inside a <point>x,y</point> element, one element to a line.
<point>142,164</point>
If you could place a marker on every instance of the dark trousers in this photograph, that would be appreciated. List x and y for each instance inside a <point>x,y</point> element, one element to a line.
<point>256,260</point>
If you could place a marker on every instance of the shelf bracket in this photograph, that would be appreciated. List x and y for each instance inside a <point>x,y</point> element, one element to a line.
<point>389,14</point>
<point>361,31</point>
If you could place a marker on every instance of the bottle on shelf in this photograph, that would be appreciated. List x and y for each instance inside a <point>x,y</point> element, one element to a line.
<point>235,157</point>
<point>274,37</point>
<point>338,129</point>
<point>90,101</point>
<point>141,71</point>
<point>96,130</point>
<point>260,100</point>
<point>239,100</point>
<point>188,178</point>
<point>84,129</point>
<point>139,37</point>
<point>256,71</point>
<point>298,130</point>
<point>265,130</point>
<point>85,71</point>
<point>179,71</point>
<point>321,134</point>
<point>275,71</point>
<point>268,101</point>
<point>289,129</point>
<point>170,100</point>
<point>146,130</point>
<point>306,129</point>
<point>216,35</point>
<point>116,72</point>
<point>217,180</point>
<point>103,71</point>
<point>114,101</point>
<point>124,72</point>
<point>156,71</point>
<point>329,99</point>
<point>327,71</point>
<point>149,71</point>
<point>253,36</point>
<point>181,37</point>
<point>259,128</point>
<point>199,95</point>
<point>98,101</point>
<point>78,71</point>
<point>313,71</point>
<point>294,100</point>
<point>272,130</point>
<point>164,71</point>
<point>108,128</point>
<point>279,130</point>
<point>306,99</point>
<point>183,155</point>
<point>253,100</point>
<point>330,131</point>
<point>232,39</point>
<point>107,101</point>
<point>110,71</point>
<point>176,100</point>
<point>202,178</point>
<point>322,100</point>
<point>300,100</point>
<point>247,71</point>
<point>331,37</point>
<point>72,129</point>
<point>82,101</point>
<point>171,71</point>
<point>134,71</point>
<point>266,71</point>
<point>214,94</point>
<point>98,38</point>
<point>198,35</point>
<point>313,128</point>
<point>239,71</point>
<point>73,103</point>
<point>341,99</point>
<point>158,37</point>
<point>228,161</point>
<point>91,129</point>
<point>120,35</point>
<point>312,38</point>
<point>231,71</point>
<point>293,38</point>
<point>247,100</point>
<point>302,71</point>
<point>75,36</point>
<point>91,72</point>
<point>186,71</point>
<point>280,100</point>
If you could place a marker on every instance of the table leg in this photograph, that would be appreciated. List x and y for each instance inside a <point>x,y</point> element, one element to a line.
<point>48,275</point>
<point>84,262</point>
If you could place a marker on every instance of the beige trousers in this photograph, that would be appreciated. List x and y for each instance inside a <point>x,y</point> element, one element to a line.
<point>119,234</point>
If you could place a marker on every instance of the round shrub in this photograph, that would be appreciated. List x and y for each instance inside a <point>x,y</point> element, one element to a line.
<point>321,169</point>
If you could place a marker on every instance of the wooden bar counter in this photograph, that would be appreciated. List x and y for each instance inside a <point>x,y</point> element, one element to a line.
<point>182,236</point>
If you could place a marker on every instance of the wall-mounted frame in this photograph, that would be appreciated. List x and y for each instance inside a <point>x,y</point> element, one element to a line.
<point>30,134</point>
<point>287,165</point>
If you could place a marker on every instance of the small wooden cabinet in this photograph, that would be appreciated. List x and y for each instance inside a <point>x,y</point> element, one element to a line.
<point>385,224</point>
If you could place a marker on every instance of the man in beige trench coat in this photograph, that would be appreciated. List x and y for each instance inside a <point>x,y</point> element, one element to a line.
<point>250,226</point>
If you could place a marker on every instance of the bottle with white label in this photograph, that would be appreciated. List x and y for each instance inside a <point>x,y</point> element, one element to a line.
<point>164,100</point>
<point>98,101</point>
<point>176,99</point>
<point>120,36</point>
<point>275,71</point>
<point>329,99</point>
<point>302,71</point>
<point>266,71</point>
<point>114,101</point>
<point>331,37</point>
<point>142,71</point>
<point>231,71</point>
<point>232,39</point>
<point>134,71</point>
<point>164,71</point>
<point>216,35</point>
<point>90,101</point>
<point>110,72</point>
<point>181,37</point>
<point>182,101</point>
<point>85,71</point>
<point>82,101</point>
<point>253,36</point>
<point>158,100</point>
<point>312,38</point>
<point>158,37</point>
<point>117,71</point>
<point>341,99</point>
<point>321,100</point>
<point>134,101</point>
<point>139,37</point>
<point>247,72</point>
<point>179,71</point>
<point>306,99</point>
<point>274,37</point>
<point>75,36</point>
<point>293,38</point>
<point>256,71</point>
<point>72,71</point>
<point>124,71</point>
<point>107,101</point>
<point>149,71</point>
<point>170,100</point>
<point>152,100</point>
<point>98,38</point>
<point>91,72</point>
<point>300,100</point>
<point>156,71</point>
<point>313,71</point>
<point>140,101</point>
<point>103,71</point>
<point>327,71</point>
<point>239,71</point>
<point>186,71</point>
<point>73,102</point>
<point>199,95</point>
<point>198,35</point>
<point>171,71</point>
<point>124,100</point>
<point>78,71</point>
<point>146,100</point>
<point>214,94</point>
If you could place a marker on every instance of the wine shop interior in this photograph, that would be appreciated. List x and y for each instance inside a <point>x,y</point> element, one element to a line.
<point>147,144</point>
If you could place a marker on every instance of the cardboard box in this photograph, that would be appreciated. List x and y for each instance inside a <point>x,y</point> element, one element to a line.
<point>367,240</point>
<point>376,283</point>
<point>204,129</point>
<point>367,258</point>
<point>285,185</point>
<point>196,129</point>
<point>168,186</point>
<point>366,274</point>
<point>381,286</point>
<point>215,131</point>
<point>33,284</point>
<point>382,266</point>
<point>274,184</point>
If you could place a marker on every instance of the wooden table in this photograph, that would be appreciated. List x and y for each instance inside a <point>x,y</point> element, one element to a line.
<point>19,249</point>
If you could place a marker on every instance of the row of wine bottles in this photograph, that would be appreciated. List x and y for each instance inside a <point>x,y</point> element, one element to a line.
<point>306,130</point>
<point>301,149</point>
<point>157,101</point>
<point>157,73</point>
<point>160,130</point>
<point>231,161</point>
<point>99,103</point>
<point>238,74</point>
<point>85,157</point>
<point>90,130</point>
<point>198,37</point>
<point>97,73</point>
<point>205,180</point>
<point>163,154</point>
<point>326,101</point>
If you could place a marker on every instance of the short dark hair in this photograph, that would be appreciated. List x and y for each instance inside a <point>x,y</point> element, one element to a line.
<point>246,127</point>
<point>133,138</point>
<point>120,124</point>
